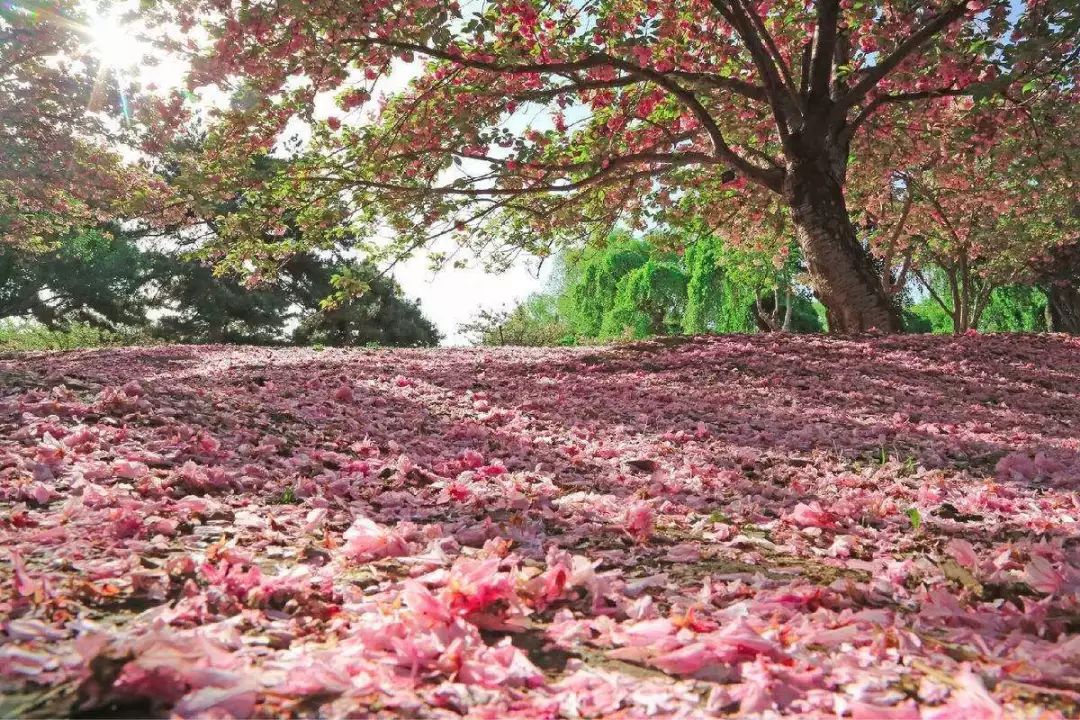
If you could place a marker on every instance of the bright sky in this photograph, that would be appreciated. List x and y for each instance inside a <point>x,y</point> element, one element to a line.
<point>452,297</point>
<point>449,297</point>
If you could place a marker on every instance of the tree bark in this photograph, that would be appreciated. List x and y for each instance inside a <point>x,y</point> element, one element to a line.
<point>840,268</point>
<point>1063,306</point>
<point>788,311</point>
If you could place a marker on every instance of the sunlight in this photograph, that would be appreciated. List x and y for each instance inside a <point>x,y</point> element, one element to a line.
<point>114,43</point>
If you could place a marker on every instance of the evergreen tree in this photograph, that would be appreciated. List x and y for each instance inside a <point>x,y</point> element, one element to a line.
<point>104,279</point>
<point>91,276</point>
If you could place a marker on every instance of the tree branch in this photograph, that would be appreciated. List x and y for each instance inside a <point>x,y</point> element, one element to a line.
<point>902,51</point>
<point>897,98</point>
<point>589,61</point>
<point>770,45</point>
<point>601,176</point>
<point>720,82</point>
<point>780,100</point>
<point>933,293</point>
<point>821,59</point>
<point>769,178</point>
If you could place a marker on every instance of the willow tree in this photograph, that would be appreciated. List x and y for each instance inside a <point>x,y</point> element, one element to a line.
<point>714,301</point>
<point>649,300</point>
<point>531,119</point>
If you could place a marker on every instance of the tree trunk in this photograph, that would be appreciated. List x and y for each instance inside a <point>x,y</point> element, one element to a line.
<point>788,311</point>
<point>1063,305</point>
<point>840,268</point>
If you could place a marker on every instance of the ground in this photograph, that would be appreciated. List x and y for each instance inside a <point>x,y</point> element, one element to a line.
<point>871,528</point>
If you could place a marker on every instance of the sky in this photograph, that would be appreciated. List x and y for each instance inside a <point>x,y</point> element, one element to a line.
<point>452,296</point>
<point>448,298</point>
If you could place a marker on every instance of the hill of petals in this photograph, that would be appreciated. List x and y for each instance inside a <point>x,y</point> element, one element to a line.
<point>881,527</point>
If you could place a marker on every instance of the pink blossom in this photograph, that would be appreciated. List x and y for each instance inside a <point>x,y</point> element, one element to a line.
<point>286,549</point>
<point>901,711</point>
<point>1016,466</point>
<point>963,552</point>
<point>367,540</point>
<point>425,604</point>
<point>969,702</point>
<point>216,702</point>
<point>638,521</point>
<point>1042,576</point>
<point>811,515</point>
<point>474,585</point>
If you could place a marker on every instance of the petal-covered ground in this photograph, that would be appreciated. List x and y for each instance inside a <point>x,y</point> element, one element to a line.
<point>872,528</point>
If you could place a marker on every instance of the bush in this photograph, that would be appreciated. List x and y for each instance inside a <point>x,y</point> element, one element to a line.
<point>26,336</point>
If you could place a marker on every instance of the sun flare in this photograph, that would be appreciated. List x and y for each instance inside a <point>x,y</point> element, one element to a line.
<point>115,43</point>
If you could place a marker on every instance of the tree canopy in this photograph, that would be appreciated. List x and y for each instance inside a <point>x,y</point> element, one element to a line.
<point>631,287</point>
<point>645,112</point>
<point>60,139</point>
<point>105,279</point>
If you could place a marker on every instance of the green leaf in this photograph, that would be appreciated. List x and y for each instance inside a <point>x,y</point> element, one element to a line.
<point>916,518</point>
<point>718,517</point>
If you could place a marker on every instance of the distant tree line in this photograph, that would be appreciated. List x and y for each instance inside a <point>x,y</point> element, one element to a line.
<point>640,287</point>
<point>106,279</point>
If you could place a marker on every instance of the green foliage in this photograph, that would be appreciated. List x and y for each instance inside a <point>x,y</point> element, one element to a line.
<point>25,336</point>
<point>917,318</point>
<point>198,306</point>
<point>373,313</point>
<point>821,313</point>
<point>533,323</point>
<point>927,316</point>
<point>1015,308</point>
<point>635,288</point>
<point>805,317</point>
<point>1011,308</point>
<point>106,281</point>
<point>715,302</point>
<point>649,300</point>
<point>915,517</point>
<point>592,281</point>
<point>91,277</point>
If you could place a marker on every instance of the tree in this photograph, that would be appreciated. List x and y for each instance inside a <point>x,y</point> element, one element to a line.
<point>532,323</point>
<point>1059,275</point>
<point>377,315</point>
<point>208,308</point>
<point>1015,308</point>
<point>963,212</point>
<point>1008,308</point>
<point>649,300</point>
<point>103,278</point>
<point>198,306</point>
<point>739,102</point>
<point>714,301</point>
<point>61,168</point>
<point>91,276</point>
<point>636,288</point>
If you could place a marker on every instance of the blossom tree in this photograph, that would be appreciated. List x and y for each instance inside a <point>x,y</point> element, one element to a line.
<point>965,208</point>
<point>60,164</point>
<point>529,119</point>
<point>1059,274</point>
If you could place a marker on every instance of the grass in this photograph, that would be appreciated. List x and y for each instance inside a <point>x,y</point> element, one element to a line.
<point>24,336</point>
